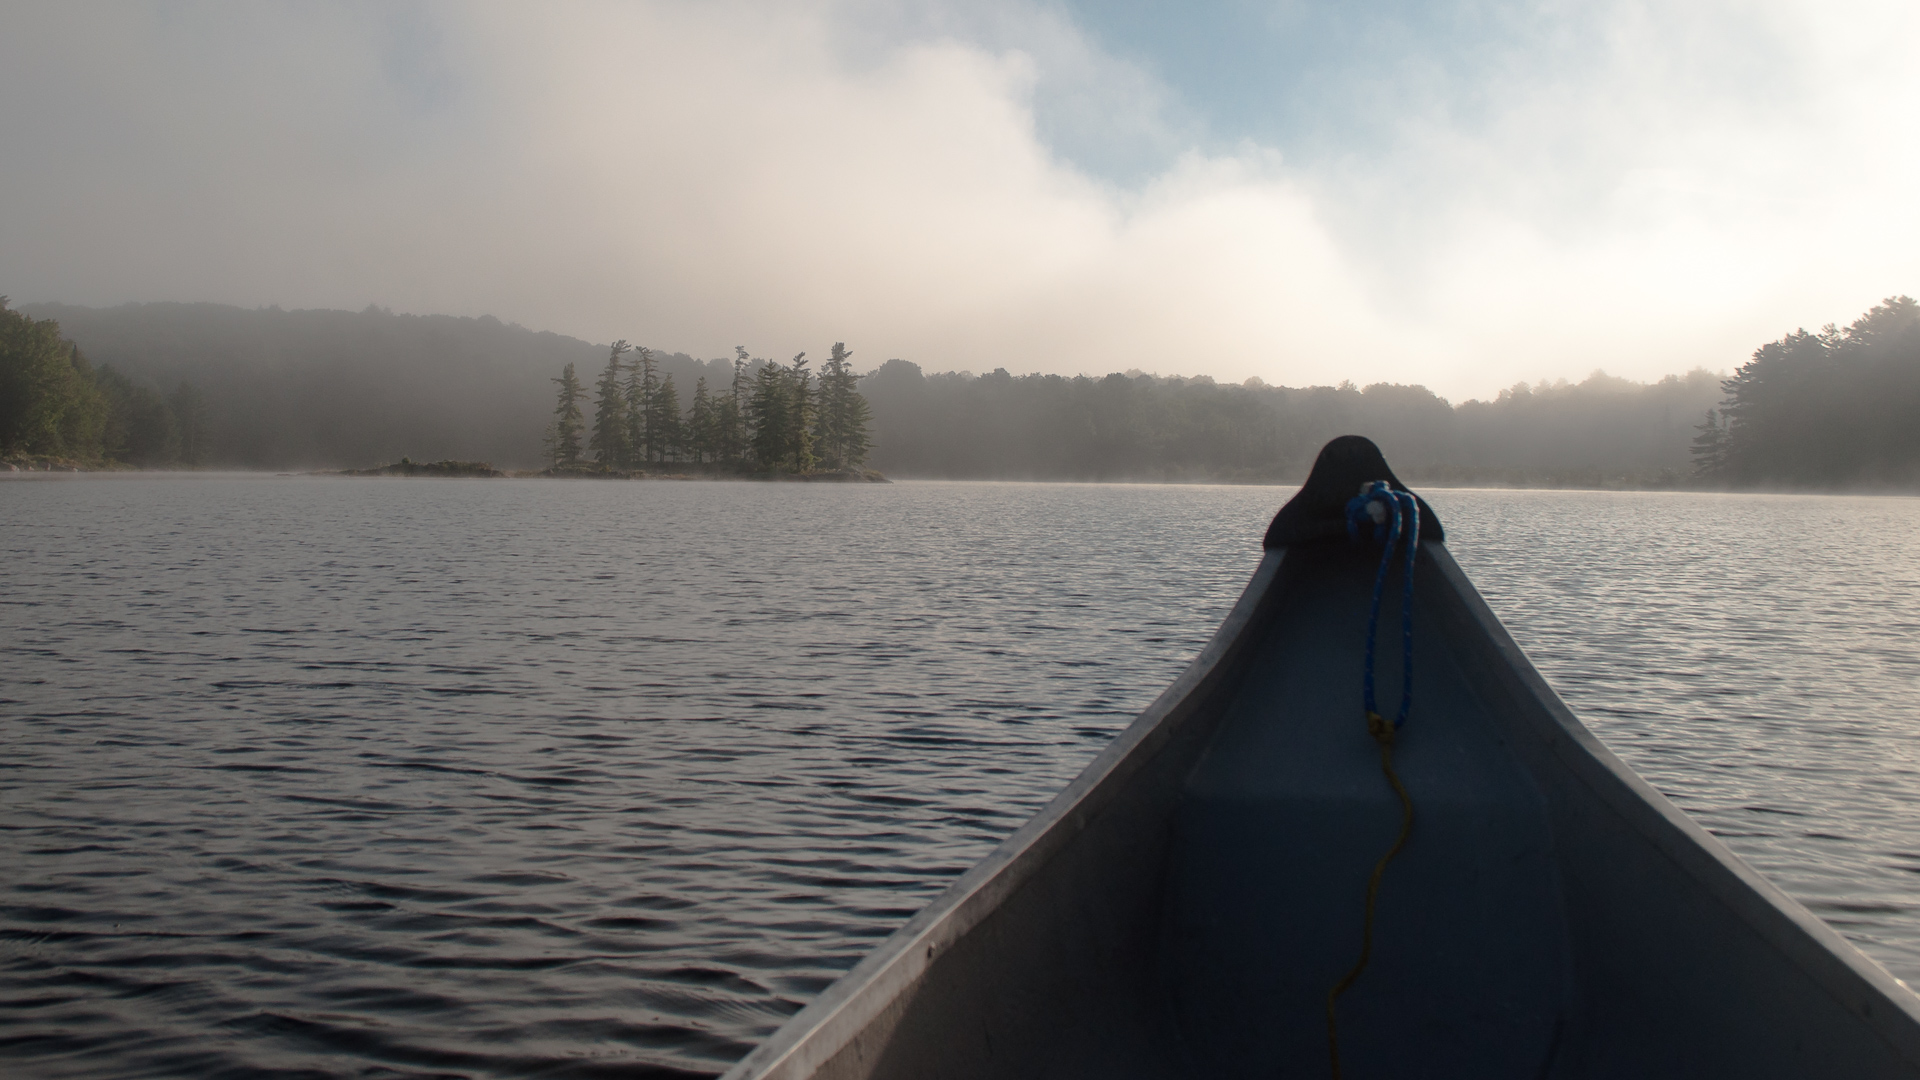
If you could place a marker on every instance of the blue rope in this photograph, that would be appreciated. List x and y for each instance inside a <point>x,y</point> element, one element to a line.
<point>1392,513</point>
<point>1386,509</point>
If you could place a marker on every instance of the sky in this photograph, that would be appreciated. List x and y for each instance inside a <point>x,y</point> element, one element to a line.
<point>1459,193</point>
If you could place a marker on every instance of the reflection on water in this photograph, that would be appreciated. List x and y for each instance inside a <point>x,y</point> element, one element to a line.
<point>506,778</point>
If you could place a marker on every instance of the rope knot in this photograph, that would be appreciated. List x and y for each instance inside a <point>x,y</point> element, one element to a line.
<point>1381,729</point>
<point>1374,507</point>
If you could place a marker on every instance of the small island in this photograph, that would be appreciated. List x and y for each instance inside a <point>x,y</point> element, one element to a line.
<point>772,421</point>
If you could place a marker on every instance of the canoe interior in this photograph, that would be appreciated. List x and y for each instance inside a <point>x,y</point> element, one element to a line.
<point>1284,818</point>
<point>1183,908</point>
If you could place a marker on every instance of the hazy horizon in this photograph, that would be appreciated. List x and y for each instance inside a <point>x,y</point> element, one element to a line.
<point>868,364</point>
<point>324,388</point>
<point>1459,196</point>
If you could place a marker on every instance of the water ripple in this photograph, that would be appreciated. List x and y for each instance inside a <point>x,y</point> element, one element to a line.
<point>325,778</point>
<point>310,778</point>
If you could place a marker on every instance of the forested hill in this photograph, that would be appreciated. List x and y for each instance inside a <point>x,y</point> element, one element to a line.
<point>325,389</point>
<point>1132,426</point>
<point>1833,410</point>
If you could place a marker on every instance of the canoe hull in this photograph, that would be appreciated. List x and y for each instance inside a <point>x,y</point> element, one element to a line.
<point>1183,906</point>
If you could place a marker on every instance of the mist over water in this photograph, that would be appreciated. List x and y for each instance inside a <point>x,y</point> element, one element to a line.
<point>515,777</point>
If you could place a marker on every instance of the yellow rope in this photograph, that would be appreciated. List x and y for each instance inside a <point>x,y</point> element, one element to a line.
<point>1382,732</point>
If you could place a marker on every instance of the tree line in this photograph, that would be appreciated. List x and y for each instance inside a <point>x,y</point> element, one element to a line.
<point>1837,408</point>
<point>56,407</point>
<point>770,417</point>
<point>1601,431</point>
<point>207,384</point>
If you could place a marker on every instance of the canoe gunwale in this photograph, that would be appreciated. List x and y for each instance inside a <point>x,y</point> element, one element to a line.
<point>842,1012</point>
<point>1856,981</point>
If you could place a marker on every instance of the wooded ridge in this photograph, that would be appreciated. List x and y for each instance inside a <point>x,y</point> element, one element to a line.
<point>205,385</point>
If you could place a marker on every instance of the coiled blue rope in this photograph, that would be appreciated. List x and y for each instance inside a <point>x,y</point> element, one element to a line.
<point>1392,514</point>
<point>1383,507</point>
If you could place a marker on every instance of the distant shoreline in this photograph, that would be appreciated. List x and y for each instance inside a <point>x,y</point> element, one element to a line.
<point>406,467</point>
<point>22,470</point>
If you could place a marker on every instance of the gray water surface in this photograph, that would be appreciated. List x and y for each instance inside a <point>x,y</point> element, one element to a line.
<point>326,777</point>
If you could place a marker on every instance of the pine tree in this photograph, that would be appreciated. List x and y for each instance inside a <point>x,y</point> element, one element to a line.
<point>664,427</point>
<point>609,438</point>
<point>1709,448</point>
<point>829,409</point>
<point>855,439</point>
<point>840,428</point>
<point>799,425</point>
<point>642,383</point>
<point>700,424</point>
<point>730,413</point>
<point>563,436</point>
<point>769,411</point>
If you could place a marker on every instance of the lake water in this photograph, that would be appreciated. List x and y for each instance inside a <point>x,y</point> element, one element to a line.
<point>325,777</point>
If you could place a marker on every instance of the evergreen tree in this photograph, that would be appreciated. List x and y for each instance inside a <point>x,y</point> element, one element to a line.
<point>1770,427</point>
<point>1830,409</point>
<point>609,438</point>
<point>855,437</point>
<point>1709,448</point>
<point>665,427</point>
<point>642,383</point>
<point>769,412</point>
<point>730,413</point>
<point>799,421</point>
<point>563,436</point>
<point>829,408</point>
<point>700,424</point>
<point>840,427</point>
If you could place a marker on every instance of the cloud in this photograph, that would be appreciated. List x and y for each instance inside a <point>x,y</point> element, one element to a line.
<point>1711,178</point>
<point>924,181</point>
